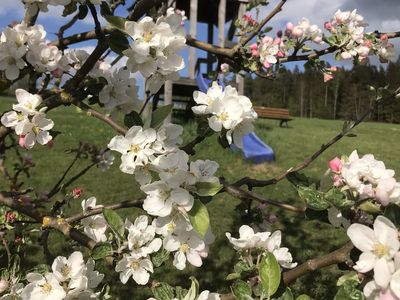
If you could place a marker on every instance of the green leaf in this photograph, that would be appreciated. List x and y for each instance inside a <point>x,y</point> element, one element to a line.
<point>14,263</point>
<point>160,257</point>
<point>208,188</point>
<point>241,266</point>
<point>69,9</point>
<point>369,207</point>
<point>241,290</point>
<point>105,9</point>
<point>83,11</point>
<point>270,273</point>
<point>313,198</point>
<point>352,275</point>
<point>349,291</point>
<point>298,179</point>
<point>41,269</point>
<point>337,198</point>
<point>392,212</point>
<point>303,297</point>
<point>133,119</point>
<point>193,291</point>
<point>160,114</point>
<point>163,291</point>
<point>116,22</point>
<point>118,42</point>
<point>287,295</point>
<point>114,221</point>
<point>102,250</point>
<point>232,276</point>
<point>199,217</point>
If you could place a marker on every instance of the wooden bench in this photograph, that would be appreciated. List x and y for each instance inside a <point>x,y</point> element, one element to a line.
<point>274,113</point>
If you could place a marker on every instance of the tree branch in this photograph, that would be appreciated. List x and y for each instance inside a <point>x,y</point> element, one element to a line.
<point>260,26</point>
<point>96,211</point>
<point>338,256</point>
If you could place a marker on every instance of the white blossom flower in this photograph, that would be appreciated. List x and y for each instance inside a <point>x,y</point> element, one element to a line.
<point>135,267</point>
<point>378,245</point>
<point>202,171</point>
<point>247,238</point>
<point>106,159</point>
<point>175,223</point>
<point>206,295</point>
<point>42,287</point>
<point>169,137</point>
<point>172,167</point>
<point>95,227</point>
<point>135,147</point>
<point>188,247</point>
<point>161,198</point>
<point>141,237</point>
<point>205,100</point>
<point>27,102</point>
<point>37,131</point>
<point>66,269</point>
<point>282,254</point>
<point>44,58</point>
<point>15,120</point>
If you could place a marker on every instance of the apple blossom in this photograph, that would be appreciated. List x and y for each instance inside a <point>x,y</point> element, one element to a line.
<point>187,247</point>
<point>136,267</point>
<point>378,245</point>
<point>41,287</point>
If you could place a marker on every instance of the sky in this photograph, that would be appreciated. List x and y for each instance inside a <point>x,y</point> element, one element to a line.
<point>383,15</point>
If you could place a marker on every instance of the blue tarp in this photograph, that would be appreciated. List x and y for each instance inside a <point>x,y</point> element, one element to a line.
<point>254,149</point>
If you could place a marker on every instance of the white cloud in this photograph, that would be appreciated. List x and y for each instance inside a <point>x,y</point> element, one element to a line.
<point>14,6</point>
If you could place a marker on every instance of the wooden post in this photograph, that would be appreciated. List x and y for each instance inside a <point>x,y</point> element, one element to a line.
<point>192,32</point>
<point>168,97</point>
<point>221,22</point>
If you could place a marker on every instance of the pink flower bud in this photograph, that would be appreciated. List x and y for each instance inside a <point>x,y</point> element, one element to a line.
<point>21,141</point>
<point>11,216</point>
<point>280,54</point>
<point>367,43</point>
<point>335,165</point>
<point>77,192</point>
<point>224,68</point>
<point>384,37</point>
<point>18,240</point>
<point>50,144</point>
<point>3,286</point>
<point>289,27</point>
<point>337,180</point>
<point>346,55</point>
<point>266,65</point>
<point>327,77</point>
<point>328,26</point>
<point>253,46</point>
<point>333,69</point>
<point>272,218</point>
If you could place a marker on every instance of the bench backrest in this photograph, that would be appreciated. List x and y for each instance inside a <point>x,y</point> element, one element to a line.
<point>270,111</point>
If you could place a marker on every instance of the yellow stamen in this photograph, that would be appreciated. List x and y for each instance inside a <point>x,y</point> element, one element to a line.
<point>135,265</point>
<point>184,248</point>
<point>223,116</point>
<point>46,288</point>
<point>380,250</point>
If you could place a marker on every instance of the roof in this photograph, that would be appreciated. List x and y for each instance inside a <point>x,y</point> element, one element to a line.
<point>207,10</point>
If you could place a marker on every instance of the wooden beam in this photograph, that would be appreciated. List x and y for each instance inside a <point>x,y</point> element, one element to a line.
<point>192,32</point>
<point>240,79</point>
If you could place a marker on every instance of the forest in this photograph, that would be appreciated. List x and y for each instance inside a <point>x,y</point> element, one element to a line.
<point>347,96</point>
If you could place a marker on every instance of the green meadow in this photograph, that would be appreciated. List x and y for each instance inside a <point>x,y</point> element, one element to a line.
<point>304,238</point>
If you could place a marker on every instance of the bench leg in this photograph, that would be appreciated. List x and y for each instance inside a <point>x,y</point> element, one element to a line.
<point>283,122</point>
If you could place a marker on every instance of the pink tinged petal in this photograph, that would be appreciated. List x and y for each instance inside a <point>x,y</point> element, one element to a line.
<point>366,262</point>
<point>395,283</point>
<point>382,273</point>
<point>362,237</point>
<point>179,260</point>
<point>194,258</point>
<point>30,140</point>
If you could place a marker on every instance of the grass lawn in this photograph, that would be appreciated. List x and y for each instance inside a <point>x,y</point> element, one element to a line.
<point>305,239</point>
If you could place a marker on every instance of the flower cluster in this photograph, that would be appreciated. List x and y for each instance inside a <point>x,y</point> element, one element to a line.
<point>380,252</point>
<point>366,178</point>
<point>204,295</point>
<point>21,44</point>
<point>141,243</point>
<point>155,47</point>
<point>227,111</point>
<point>94,226</point>
<point>71,278</point>
<point>31,125</point>
<point>346,32</point>
<point>169,181</point>
<point>263,241</point>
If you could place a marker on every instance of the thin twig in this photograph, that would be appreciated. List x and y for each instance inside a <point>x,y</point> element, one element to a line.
<point>65,27</point>
<point>145,104</point>
<point>96,211</point>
